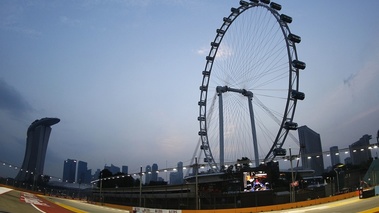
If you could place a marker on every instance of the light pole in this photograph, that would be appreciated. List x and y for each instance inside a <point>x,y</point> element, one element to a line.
<point>80,181</point>
<point>196,185</point>
<point>34,179</point>
<point>338,182</point>
<point>101,186</point>
<point>292,194</point>
<point>140,187</point>
<point>337,168</point>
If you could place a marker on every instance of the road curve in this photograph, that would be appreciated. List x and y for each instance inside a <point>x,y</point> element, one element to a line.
<point>13,201</point>
<point>354,204</point>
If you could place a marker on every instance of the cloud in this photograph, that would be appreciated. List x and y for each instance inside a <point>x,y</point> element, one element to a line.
<point>11,17</point>
<point>14,114</point>
<point>25,31</point>
<point>356,93</point>
<point>363,115</point>
<point>69,21</point>
<point>222,53</point>
<point>203,51</point>
<point>364,82</point>
<point>10,14</point>
<point>12,101</point>
<point>350,110</point>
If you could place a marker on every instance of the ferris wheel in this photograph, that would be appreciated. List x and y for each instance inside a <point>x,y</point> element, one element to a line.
<point>250,86</point>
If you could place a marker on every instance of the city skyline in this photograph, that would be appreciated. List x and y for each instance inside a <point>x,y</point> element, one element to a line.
<point>327,155</point>
<point>124,77</point>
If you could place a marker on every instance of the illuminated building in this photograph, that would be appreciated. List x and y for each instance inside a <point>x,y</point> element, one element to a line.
<point>359,151</point>
<point>69,171</point>
<point>38,135</point>
<point>311,150</point>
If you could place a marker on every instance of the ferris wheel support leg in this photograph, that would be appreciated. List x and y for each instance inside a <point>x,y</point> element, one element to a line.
<point>253,130</point>
<point>221,128</point>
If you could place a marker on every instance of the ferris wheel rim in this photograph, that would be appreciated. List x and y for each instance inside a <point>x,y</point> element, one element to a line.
<point>293,79</point>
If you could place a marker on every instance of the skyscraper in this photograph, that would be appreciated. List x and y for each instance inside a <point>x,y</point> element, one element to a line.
<point>84,174</point>
<point>154,172</point>
<point>38,135</point>
<point>88,176</point>
<point>69,171</point>
<point>148,174</point>
<point>359,151</point>
<point>335,155</point>
<point>311,150</point>
<point>348,161</point>
<point>177,176</point>
<point>125,169</point>
<point>96,175</point>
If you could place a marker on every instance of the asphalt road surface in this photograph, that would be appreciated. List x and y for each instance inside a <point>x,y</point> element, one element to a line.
<point>350,205</point>
<point>13,201</point>
<point>83,206</point>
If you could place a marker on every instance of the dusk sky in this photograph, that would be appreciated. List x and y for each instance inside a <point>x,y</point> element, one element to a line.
<point>124,75</point>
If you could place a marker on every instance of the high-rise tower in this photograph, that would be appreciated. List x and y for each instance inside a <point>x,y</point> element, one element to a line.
<point>177,177</point>
<point>311,152</point>
<point>82,173</point>
<point>69,171</point>
<point>154,173</point>
<point>148,174</point>
<point>38,135</point>
<point>334,155</point>
<point>359,151</point>
<point>125,170</point>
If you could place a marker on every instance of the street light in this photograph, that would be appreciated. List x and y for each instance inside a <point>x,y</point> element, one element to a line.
<point>196,185</point>
<point>336,169</point>
<point>140,187</point>
<point>101,186</point>
<point>338,182</point>
<point>292,194</point>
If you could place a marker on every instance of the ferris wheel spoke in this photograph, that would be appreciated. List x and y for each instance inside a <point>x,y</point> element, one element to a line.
<point>250,86</point>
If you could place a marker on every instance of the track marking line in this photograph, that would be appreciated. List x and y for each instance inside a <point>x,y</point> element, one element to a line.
<point>373,210</point>
<point>343,202</point>
<point>4,190</point>
<point>31,199</point>
<point>70,208</point>
<point>37,208</point>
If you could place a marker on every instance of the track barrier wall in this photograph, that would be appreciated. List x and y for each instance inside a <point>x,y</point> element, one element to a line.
<point>278,207</point>
<point>257,209</point>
